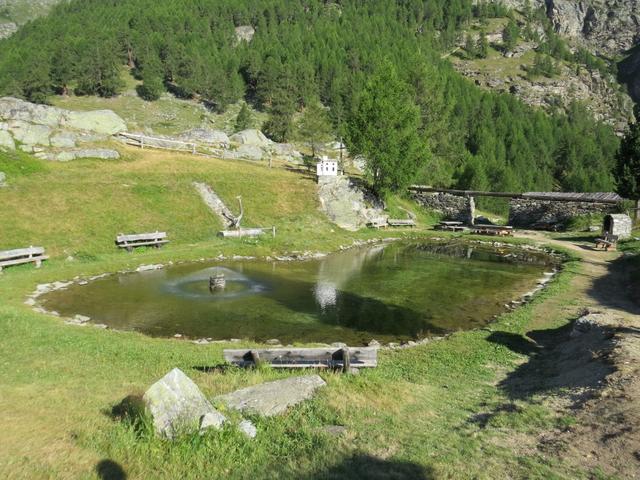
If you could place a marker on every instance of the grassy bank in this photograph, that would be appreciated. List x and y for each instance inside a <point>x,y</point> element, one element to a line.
<point>441,410</point>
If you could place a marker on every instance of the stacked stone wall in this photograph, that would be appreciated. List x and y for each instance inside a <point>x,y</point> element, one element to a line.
<point>545,214</point>
<point>451,207</point>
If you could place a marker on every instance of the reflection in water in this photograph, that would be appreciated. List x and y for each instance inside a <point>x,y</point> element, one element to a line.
<point>392,293</point>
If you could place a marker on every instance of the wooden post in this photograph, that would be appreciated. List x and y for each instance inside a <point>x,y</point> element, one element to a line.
<point>274,231</point>
<point>141,142</point>
<point>637,215</point>
<point>346,360</point>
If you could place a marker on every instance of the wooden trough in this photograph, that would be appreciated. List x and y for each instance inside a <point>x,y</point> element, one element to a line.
<point>21,256</point>
<point>246,232</point>
<point>342,358</point>
<point>156,239</point>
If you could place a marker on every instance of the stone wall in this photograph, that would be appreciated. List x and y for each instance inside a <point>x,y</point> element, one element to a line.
<point>451,207</point>
<point>524,213</point>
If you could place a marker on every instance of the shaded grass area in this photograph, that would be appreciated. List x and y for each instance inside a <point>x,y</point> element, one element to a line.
<point>415,416</point>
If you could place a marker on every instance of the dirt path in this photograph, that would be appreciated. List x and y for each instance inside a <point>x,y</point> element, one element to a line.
<point>595,366</point>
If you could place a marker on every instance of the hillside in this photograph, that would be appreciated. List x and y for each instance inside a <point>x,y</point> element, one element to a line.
<point>14,13</point>
<point>469,138</point>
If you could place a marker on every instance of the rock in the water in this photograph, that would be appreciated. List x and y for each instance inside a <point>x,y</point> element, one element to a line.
<point>63,140</point>
<point>213,420</point>
<point>273,398</point>
<point>176,404</point>
<point>205,135</point>
<point>248,428</point>
<point>251,137</point>
<point>99,121</point>
<point>6,141</point>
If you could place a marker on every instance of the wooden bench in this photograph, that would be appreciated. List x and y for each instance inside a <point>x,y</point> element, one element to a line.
<point>451,226</point>
<point>499,230</point>
<point>380,222</point>
<point>343,358</point>
<point>22,255</point>
<point>397,222</point>
<point>130,242</point>
<point>609,241</point>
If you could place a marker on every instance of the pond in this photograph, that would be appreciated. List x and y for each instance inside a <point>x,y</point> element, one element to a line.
<point>392,292</point>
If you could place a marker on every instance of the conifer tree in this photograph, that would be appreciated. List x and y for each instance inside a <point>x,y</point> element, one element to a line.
<point>314,127</point>
<point>244,119</point>
<point>385,130</point>
<point>627,171</point>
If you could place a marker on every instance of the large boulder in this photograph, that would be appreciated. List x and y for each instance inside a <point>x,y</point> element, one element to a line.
<point>68,155</point>
<point>206,135</point>
<point>177,406</point>
<point>251,137</point>
<point>249,152</point>
<point>29,133</point>
<point>63,140</point>
<point>16,109</point>
<point>6,141</point>
<point>273,398</point>
<point>245,33</point>
<point>99,121</point>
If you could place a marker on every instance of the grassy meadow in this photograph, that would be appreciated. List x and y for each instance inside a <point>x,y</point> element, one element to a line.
<point>441,410</point>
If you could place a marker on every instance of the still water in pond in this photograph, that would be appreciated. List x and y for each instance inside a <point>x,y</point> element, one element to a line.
<point>396,292</point>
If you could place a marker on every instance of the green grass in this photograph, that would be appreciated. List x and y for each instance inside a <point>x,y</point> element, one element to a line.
<point>417,412</point>
<point>166,116</point>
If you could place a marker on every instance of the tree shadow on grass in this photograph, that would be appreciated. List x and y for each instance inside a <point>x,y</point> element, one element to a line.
<point>558,362</point>
<point>109,470</point>
<point>619,288</point>
<point>372,468</point>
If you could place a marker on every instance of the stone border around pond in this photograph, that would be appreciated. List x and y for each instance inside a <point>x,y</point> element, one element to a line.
<point>82,320</point>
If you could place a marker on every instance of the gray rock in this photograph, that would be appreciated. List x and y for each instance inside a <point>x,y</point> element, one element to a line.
<point>3,179</point>
<point>205,135</point>
<point>273,398</point>
<point>99,121</point>
<point>347,204</point>
<point>28,133</point>
<point>6,141</point>
<point>251,137</point>
<point>7,29</point>
<point>249,152</point>
<point>176,405</point>
<point>248,428</point>
<point>68,155</point>
<point>63,140</point>
<point>245,33</point>
<point>21,110</point>
<point>212,420</point>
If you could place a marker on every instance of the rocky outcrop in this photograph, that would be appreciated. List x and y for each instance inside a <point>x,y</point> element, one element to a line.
<point>51,131</point>
<point>347,204</point>
<point>244,33</point>
<point>273,398</point>
<point>251,137</point>
<point>7,29</point>
<point>68,155</point>
<point>206,136</point>
<point>177,406</point>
